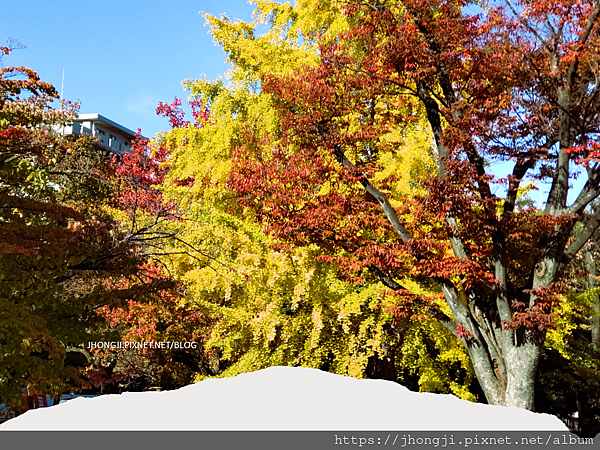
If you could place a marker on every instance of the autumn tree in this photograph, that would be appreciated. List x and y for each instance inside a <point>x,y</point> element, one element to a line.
<point>514,83</point>
<point>156,224</point>
<point>271,306</point>
<point>59,250</point>
<point>159,317</point>
<point>275,303</point>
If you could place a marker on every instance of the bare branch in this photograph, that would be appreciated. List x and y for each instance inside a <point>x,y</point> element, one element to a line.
<point>389,282</point>
<point>590,192</point>
<point>389,211</point>
<point>519,172</point>
<point>588,230</point>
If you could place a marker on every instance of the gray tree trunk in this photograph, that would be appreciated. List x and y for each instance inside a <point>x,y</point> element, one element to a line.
<point>592,285</point>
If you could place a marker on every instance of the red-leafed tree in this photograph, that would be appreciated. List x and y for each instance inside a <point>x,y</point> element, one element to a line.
<point>512,82</point>
<point>62,257</point>
<point>171,338</point>
<point>155,225</point>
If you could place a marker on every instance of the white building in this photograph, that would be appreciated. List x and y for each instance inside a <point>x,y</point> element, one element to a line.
<point>112,136</point>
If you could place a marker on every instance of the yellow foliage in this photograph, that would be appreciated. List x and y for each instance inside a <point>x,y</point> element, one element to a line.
<point>287,308</point>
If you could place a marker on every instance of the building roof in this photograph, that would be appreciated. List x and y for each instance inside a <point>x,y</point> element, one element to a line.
<point>106,122</point>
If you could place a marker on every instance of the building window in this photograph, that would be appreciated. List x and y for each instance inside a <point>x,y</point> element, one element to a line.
<point>100,133</point>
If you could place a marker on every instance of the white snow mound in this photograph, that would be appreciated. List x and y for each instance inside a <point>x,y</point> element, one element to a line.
<point>282,398</point>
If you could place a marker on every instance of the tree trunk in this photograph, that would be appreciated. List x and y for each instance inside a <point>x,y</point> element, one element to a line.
<point>593,284</point>
<point>595,320</point>
<point>507,377</point>
<point>523,360</point>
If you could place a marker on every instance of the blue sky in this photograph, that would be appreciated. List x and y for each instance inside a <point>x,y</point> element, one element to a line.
<point>120,57</point>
